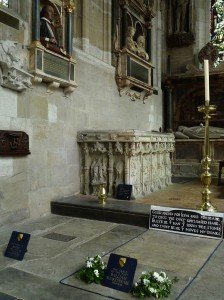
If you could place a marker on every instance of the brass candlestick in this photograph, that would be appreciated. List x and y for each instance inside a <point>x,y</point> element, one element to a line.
<point>206,162</point>
<point>102,194</point>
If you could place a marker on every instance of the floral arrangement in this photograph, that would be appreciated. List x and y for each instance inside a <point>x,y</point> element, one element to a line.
<point>93,271</point>
<point>153,284</point>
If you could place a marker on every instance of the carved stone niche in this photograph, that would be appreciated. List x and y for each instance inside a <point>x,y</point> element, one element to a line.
<point>180,23</point>
<point>139,158</point>
<point>13,66</point>
<point>132,48</point>
<point>51,58</point>
<point>14,143</point>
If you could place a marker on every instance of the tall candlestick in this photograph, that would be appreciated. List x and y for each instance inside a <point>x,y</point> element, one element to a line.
<point>206,73</point>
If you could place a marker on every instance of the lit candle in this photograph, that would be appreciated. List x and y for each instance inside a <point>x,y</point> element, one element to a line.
<point>206,73</point>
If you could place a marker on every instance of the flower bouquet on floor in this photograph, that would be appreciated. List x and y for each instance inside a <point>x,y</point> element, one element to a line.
<point>93,271</point>
<point>153,284</point>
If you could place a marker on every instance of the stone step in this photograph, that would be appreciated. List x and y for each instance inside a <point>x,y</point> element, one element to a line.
<point>88,207</point>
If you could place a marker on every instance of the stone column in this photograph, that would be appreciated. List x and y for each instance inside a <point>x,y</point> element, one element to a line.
<point>86,168</point>
<point>148,26</point>
<point>169,109</point>
<point>69,8</point>
<point>36,21</point>
<point>110,170</point>
<point>85,25</point>
<point>148,42</point>
<point>124,24</point>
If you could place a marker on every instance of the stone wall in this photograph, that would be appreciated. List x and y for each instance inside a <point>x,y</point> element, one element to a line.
<point>28,184</point>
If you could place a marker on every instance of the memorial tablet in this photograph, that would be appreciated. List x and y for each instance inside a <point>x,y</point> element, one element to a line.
<point>120,272</point>
<point>17,246</point>
<point>193,222</point>
<point>124,191</point>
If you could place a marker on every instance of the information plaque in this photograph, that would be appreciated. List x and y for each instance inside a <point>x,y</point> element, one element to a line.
<point>17,246</point>
<point>185,221</point>
<point>124,191</point>
<point>120,272</point>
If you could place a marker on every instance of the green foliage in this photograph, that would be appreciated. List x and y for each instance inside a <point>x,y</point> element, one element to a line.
<point>153,284</point>
<point>93,271</point>
<point>218,38</point>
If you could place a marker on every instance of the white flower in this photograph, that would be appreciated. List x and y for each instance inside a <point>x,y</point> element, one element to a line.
<point>96,272</point>
<point>102,265</point>
<point>136,283</point>
<point>91,259</point>
<point>89,264</point>
<point>152,290</point>
<point>163,274</point>
<point>99,256</point>
<point>144,272</point>
<point>160,279</point>
<point>155,275</point>
<point>146,281</point>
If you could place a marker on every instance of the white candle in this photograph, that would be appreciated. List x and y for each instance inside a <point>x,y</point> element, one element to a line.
<point>206,73</point>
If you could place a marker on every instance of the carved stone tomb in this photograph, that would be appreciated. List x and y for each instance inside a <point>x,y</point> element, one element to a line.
<point>139,158</point>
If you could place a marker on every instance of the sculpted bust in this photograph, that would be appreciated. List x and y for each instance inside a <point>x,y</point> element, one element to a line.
<point>198,132</point>
<point>141,47</point>
<point>130,43</point>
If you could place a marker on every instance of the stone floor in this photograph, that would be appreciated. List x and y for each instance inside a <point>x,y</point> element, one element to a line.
<point>48,267</point>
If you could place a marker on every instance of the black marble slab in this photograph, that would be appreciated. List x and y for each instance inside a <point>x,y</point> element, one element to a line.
<point>118,211</point>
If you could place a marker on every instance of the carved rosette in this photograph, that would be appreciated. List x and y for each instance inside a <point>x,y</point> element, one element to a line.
<point>129,157</point>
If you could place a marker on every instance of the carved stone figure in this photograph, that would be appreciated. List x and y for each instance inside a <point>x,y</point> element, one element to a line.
<point>130,43</point>
<point>98,170</point>
<point>141,48</point>
<point>198,132</point>
<point>48,33</point>
<point>180,18</point>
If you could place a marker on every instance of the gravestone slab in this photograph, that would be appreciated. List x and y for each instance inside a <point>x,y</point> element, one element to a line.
<point>17,246</point>
<point>193,222</point>
<point>120,273</point>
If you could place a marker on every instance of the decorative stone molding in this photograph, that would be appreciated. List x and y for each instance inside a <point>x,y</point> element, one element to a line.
<point>53,69</point>
<point>133,76</point>
<point>140,158</point>
<point>180,39</point>
<point>12,63</point>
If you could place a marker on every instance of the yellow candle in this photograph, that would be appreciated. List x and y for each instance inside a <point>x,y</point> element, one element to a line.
<point>206,73</point>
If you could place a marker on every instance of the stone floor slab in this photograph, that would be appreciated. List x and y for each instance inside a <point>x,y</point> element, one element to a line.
<point>181,254</point>
<point>209,282</point>
<point>33,227</point>
<point>28,286</point>
<point>177,255</point>
<point>70,259</point>
<point>114,294</point>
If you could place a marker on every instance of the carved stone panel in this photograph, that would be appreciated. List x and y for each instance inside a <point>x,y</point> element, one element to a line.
<point>13,67</point>
<point>139,158</point>
<point>14,143</point>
